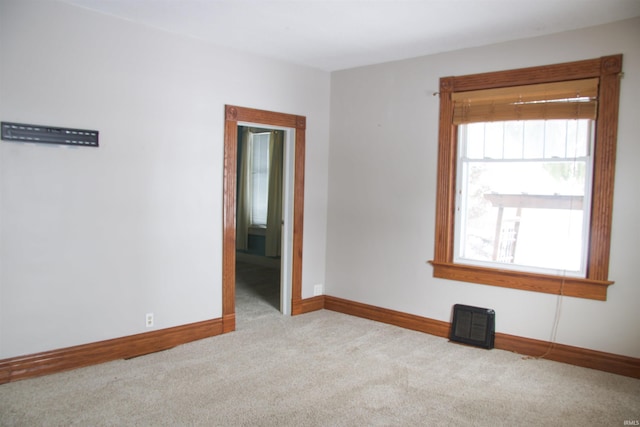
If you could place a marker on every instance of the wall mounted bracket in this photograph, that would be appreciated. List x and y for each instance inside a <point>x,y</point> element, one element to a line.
<point>49,135</point>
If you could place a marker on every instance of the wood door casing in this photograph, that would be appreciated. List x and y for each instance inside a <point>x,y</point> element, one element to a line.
<point>233,115</point>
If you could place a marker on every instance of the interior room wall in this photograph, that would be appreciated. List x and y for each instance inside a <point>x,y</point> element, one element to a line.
<point>92,239</point>
<point>382,191</point>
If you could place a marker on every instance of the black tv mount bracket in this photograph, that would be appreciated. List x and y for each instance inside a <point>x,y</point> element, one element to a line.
<point>49,135</point>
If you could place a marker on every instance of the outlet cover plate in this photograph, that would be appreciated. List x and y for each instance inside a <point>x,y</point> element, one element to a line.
<point>149,320</point>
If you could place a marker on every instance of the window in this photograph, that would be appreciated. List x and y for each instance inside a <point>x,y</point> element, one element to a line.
<point>521,185</point>
<point>259,149</point>
<point>525,177</point>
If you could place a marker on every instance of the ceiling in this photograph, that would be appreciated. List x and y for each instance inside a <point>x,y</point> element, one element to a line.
<point>338,34</point>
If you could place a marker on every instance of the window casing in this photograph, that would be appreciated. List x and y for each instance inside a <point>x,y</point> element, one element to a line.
<point>590,278</point>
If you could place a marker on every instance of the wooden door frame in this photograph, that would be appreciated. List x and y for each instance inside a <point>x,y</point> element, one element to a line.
<point>233,115</point>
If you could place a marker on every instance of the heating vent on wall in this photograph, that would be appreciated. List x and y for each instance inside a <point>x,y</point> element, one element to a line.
<point>473,325</point>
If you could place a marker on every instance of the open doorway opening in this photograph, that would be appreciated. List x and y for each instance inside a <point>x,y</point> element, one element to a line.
<point>293,182</point>
<point>264,204</point>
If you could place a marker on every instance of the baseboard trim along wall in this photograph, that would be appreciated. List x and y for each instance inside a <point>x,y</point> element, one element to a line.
<point>608,362</point>
<point>49,362</point>
<point>392,317</point>
<point>228,323</point>
<point>307,305</point>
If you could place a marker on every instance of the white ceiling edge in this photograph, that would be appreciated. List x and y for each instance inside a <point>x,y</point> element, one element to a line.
<point>333,35</point>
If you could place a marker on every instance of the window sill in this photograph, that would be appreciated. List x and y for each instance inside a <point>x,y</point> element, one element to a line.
<point>569,286</point>
<point>258,230</point>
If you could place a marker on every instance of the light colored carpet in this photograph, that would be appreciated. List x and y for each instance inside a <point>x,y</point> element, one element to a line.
<point>322,369</point>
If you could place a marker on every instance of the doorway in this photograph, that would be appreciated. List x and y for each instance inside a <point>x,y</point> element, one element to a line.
<point>264,203</point>
<point>295,126</point>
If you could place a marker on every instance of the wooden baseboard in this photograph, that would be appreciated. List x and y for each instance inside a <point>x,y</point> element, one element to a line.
<point>307,305</point>
<point>49,362</point>
<point>228,323</point>
<point>384,315</point>
<point>608,362</point>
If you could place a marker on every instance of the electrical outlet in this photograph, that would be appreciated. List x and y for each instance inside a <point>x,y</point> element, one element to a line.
<point>318,290</point>
<point>149,321</point>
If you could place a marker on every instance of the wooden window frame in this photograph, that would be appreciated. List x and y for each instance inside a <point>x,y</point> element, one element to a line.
<point>594,286</point>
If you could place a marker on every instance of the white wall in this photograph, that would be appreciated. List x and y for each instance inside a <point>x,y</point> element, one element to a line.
<point>92,239</point>
<point>382,190</point>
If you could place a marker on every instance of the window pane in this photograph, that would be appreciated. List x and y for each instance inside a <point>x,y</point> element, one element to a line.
<point>555,139</point>
<point>526,213</point>
<point>494,140</point>
<point>533,139</point>
<point>260,178</point>
<point>513,139</point>
<point>578,138</point>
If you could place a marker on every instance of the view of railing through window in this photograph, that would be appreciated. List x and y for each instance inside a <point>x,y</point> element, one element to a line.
<point>522,196</point>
